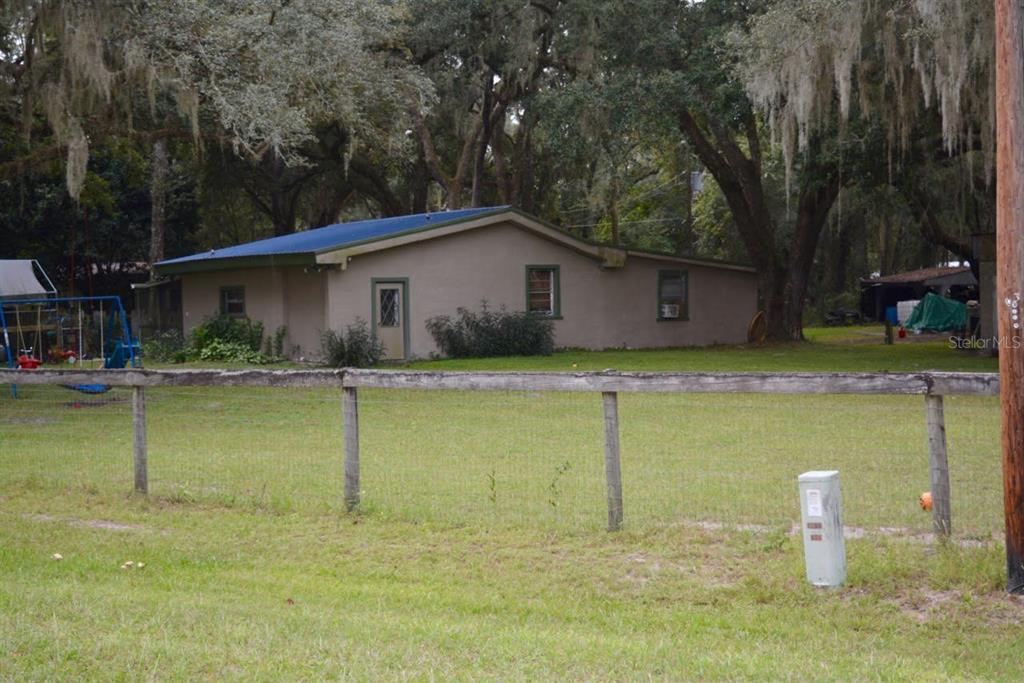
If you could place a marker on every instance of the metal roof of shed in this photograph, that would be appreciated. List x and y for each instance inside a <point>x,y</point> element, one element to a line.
<point>335,236</point>
<point>337,244</point>
<point>922,275</point>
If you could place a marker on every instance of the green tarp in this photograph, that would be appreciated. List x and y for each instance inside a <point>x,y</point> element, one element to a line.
<point>938,314</point>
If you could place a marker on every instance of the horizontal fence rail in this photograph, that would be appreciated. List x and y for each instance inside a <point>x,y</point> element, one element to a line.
<point>921,383</point>
<point>932,385</point>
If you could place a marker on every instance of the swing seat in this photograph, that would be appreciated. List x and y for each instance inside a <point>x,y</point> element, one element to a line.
<point>120,354</point>
<point>88,388</point>
<point>28,363</point>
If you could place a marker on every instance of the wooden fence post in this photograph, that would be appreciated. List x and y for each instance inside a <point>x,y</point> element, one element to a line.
<point>139,438</point>
<point>350,419</point>
<point>938,464</point>
<point>612,463</point>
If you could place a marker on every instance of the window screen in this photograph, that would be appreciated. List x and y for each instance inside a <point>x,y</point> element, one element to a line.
<point>542,290</point>
<point>232,301</point>
<point>672,295</point>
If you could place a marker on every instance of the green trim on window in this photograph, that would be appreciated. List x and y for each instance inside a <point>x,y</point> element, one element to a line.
<point>556,289</point>
<point>223,300</point>
<point>664,275</point>
<point>404,281</point>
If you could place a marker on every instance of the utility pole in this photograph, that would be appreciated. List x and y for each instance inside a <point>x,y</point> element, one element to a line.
<point>1010,270</point>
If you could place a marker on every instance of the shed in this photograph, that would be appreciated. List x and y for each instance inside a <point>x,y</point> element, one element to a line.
<point>396,273</point>
<point>951,282</point>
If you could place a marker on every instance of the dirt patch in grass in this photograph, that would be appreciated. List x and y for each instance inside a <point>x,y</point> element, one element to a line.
<point>923,605</point>
<point>926,604</point>
<point>852,532</point>
<point>641,568</point>
<point>702,559</point>
<point>89,523</point>
<point>33,420</point>
<point>94,402</point>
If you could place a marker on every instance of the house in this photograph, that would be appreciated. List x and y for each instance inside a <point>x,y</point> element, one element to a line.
<point>395,273</point>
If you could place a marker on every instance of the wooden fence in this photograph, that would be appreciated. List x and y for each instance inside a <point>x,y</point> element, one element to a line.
<point>931,385</point>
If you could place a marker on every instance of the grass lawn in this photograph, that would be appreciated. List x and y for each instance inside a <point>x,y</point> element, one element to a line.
<point>479,552</point>
<point>853,349</point>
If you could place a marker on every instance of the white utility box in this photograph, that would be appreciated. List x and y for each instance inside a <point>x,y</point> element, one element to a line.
<point>821,511</point>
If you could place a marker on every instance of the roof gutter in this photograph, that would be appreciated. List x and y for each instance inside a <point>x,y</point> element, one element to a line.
<point>234,262</point>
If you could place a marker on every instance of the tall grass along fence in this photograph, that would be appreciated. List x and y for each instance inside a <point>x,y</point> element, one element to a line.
<point>682,456</point>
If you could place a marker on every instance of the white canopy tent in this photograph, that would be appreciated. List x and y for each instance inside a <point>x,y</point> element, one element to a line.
<point>18,279</point>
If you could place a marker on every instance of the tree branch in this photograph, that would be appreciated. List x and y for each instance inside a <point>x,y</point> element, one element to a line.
<point>52,152</point>
<point>430,156</point>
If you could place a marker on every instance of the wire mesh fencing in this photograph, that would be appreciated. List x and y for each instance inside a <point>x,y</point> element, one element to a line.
<point>512,458</point>
<point>707,459</point>
<point>51,436</point>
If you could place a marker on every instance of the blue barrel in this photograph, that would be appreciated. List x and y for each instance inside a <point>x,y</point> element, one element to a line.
<point>892,316</point>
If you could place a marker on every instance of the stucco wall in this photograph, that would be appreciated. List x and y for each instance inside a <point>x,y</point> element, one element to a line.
<point>305,310</point>
<point>600,308</point>
<point>274,296</point>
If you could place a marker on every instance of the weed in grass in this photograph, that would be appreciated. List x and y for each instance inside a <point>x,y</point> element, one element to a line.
<point>553,491</point>
<point>492,488</point>
<point>182,495</point>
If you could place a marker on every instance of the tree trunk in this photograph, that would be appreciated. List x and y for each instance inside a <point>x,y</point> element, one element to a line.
<point>158,198</point>
<point>282,200</point>
<point>885,248</point>
<point>485,139</point>
<point>282,213</point>
<point>501,166</point>
<point>524,183</point>
<point>784,273</point>
<point>613,207</point>
<point>933,231</point>
<point>782,270</point>
<point>453,183</point>
<point>420,184</point>
<point>684,236</point>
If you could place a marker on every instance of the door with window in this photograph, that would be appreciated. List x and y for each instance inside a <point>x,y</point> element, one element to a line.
<point>390,317</point>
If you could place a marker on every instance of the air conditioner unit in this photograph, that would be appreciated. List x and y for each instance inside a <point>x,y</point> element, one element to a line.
<point>670,310</point>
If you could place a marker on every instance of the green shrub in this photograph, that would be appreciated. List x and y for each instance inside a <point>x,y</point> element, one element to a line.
<point>279,334</point>
<point>233,352</point>
<point>356,348</point>
<point>492,333</point>
<point>241,331</point>
<point>166,347</point>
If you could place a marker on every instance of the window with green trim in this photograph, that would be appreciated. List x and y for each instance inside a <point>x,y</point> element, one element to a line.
<point>542,290</point>
<point>673,295</point>
<point>232,301</point>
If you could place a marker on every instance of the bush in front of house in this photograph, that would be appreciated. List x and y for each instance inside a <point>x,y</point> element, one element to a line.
<point>278,344</point>
<point>356,348</point>
<point>227,330</point>
<point>492,333</point>
<point>273,345</point>
<point>217,350</point>
<point>166,347</point>
<point>227,339</point>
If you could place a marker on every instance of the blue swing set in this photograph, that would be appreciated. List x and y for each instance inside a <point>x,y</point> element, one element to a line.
<point>118,348</point>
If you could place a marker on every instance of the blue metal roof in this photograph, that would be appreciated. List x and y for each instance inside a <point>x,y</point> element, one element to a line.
<point>337,236</point>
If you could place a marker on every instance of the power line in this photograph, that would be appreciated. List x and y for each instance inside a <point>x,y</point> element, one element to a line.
<point>636,222</point>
